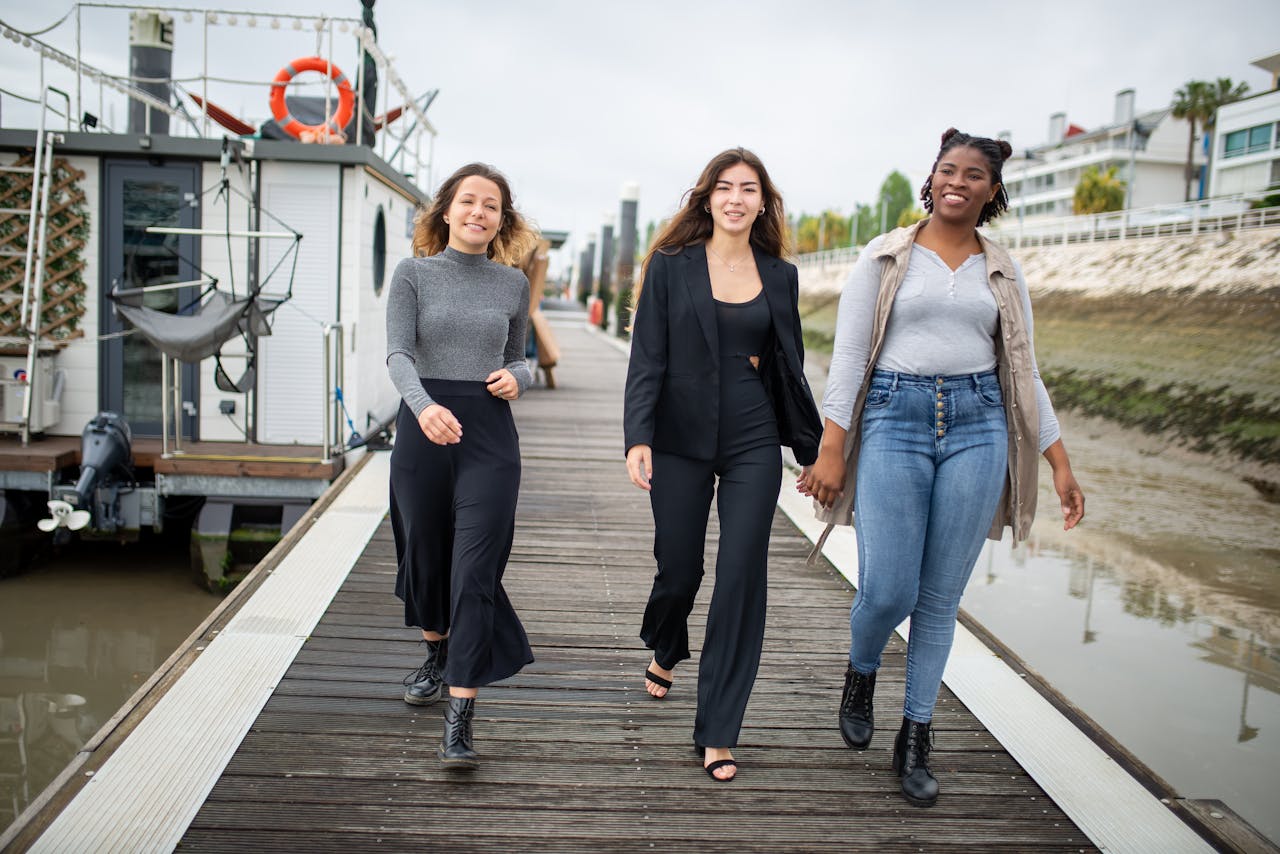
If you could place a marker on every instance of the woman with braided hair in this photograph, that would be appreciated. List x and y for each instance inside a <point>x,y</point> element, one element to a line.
<point>934,413</point>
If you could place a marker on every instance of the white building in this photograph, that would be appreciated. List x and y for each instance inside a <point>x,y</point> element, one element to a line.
<point>1246,155</point>
<point>1149,151</point>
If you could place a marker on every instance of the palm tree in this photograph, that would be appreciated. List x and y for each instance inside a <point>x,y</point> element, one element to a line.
<point>1189,103</point>
<point>1198,101</point>
<point>1220,93</point>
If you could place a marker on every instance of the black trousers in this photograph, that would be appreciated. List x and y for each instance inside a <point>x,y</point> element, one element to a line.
<point>453,510</point>
<point>681,500</point>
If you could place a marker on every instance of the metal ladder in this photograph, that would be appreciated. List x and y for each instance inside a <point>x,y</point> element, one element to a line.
<point>33,274</point>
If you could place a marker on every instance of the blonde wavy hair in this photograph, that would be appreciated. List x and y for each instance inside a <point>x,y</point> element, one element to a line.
<point>515,237</point>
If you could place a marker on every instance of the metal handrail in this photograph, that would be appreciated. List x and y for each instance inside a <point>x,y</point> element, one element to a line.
<point>331,337</point>
<point>843,255</point>
<point>1233,212</point>
<point>1191,218</point>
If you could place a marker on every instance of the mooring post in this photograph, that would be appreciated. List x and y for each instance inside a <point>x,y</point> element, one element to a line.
<point>630,201</point>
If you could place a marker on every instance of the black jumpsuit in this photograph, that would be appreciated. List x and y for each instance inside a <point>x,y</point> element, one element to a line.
<point>748,464</point>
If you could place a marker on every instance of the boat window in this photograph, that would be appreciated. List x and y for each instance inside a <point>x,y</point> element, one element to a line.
<point>379,251</point>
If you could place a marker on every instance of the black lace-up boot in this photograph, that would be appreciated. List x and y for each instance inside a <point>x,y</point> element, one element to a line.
<point>857,722</point>
<point>911,762</point>
<point>425,685</point>
<point>455,749</point>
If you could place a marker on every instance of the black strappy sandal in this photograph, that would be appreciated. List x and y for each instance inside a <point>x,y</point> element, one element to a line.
<point>721,763</point>
<point>659,681</point>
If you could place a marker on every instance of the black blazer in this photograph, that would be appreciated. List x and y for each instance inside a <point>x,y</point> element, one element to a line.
<point>673,380</point>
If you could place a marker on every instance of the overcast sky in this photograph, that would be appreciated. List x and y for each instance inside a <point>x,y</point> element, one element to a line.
<point>572,99</point>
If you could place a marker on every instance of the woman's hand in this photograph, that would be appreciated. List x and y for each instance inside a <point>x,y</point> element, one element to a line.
<point>439,425</point>
<point>640,466</point>
<point>503,385</point>
<point>825,479</point>
<point>1070,495</point>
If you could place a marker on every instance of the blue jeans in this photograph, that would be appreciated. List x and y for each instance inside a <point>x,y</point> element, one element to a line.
<point>931,471</point>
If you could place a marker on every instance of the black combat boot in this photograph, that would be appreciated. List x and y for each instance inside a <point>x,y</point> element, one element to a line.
<point>911,762</point>
<point>857,722</point>
<point>426,684</point>
<point>455,749</point>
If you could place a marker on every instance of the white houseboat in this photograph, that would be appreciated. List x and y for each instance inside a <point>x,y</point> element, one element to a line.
<point>266,245</point>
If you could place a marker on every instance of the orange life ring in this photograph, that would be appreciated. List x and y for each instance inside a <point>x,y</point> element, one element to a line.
<point>346,98</point>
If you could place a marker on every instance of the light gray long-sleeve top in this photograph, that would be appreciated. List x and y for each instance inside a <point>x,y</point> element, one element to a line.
<point>455,316</point>
<point>943,323</point>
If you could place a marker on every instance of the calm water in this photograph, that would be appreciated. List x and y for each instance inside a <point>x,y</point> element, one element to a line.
<point>1159,617</point>
<point>77,638</point>
<point>1194,694</point>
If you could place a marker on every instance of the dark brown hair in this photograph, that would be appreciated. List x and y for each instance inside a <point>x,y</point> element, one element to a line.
<point>996,151</point>
<point>509,246</point>
<point>693,223</point>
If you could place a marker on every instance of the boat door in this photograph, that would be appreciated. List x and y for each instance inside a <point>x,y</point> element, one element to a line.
<point>137,195</point>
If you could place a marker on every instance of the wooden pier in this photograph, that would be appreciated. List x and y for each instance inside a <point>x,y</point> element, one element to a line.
<point>575,755</point>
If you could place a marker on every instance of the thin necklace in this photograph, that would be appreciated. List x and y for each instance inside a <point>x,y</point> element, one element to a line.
<point>733,268</point>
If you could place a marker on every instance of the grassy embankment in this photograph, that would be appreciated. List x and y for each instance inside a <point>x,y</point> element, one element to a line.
<point>1203,369</point>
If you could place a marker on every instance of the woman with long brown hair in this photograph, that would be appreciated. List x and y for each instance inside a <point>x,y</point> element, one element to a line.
<point>716,317</point>
<point>456,317</point>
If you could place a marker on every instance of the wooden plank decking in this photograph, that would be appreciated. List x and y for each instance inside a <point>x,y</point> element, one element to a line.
<point>575,755</point>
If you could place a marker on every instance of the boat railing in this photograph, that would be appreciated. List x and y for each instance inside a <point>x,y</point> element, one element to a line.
<point>331,336</point>
<point>173,407</point>
<point>401,148</point>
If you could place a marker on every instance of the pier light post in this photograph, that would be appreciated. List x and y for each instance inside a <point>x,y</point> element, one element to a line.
<point>606,268</point>
<point>626,269</point>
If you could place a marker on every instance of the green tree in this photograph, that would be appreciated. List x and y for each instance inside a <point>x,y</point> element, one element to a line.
<point>829,230</point>
<point>1098,192</point>
<point>1198,101</point>
<point>895,197</point>
<point>910,216</point>
<point>868,224</point>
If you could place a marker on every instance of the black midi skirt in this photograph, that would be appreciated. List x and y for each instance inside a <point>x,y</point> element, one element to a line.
<point>453,513</point>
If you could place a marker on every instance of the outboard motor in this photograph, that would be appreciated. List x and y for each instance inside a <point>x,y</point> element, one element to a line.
<point>105,446</point>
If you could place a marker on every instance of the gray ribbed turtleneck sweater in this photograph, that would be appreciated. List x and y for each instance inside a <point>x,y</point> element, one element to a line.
<point>454,316</point>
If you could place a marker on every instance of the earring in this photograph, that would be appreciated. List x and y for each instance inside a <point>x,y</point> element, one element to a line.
<point>707,208</point>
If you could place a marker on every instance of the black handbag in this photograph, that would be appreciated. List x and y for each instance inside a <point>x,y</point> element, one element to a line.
<point>799,425</point>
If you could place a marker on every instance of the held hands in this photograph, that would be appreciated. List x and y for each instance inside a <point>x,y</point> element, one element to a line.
<point>640,465</point>
<point>439,425</point>
<point>503,385</point>
<point>824,480</point>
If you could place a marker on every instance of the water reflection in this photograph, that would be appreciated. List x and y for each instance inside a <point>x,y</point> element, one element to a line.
<point>77,639</point>
<point>1186,676</point>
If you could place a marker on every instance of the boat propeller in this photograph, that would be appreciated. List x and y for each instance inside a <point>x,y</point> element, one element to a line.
<point>63,515</point>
